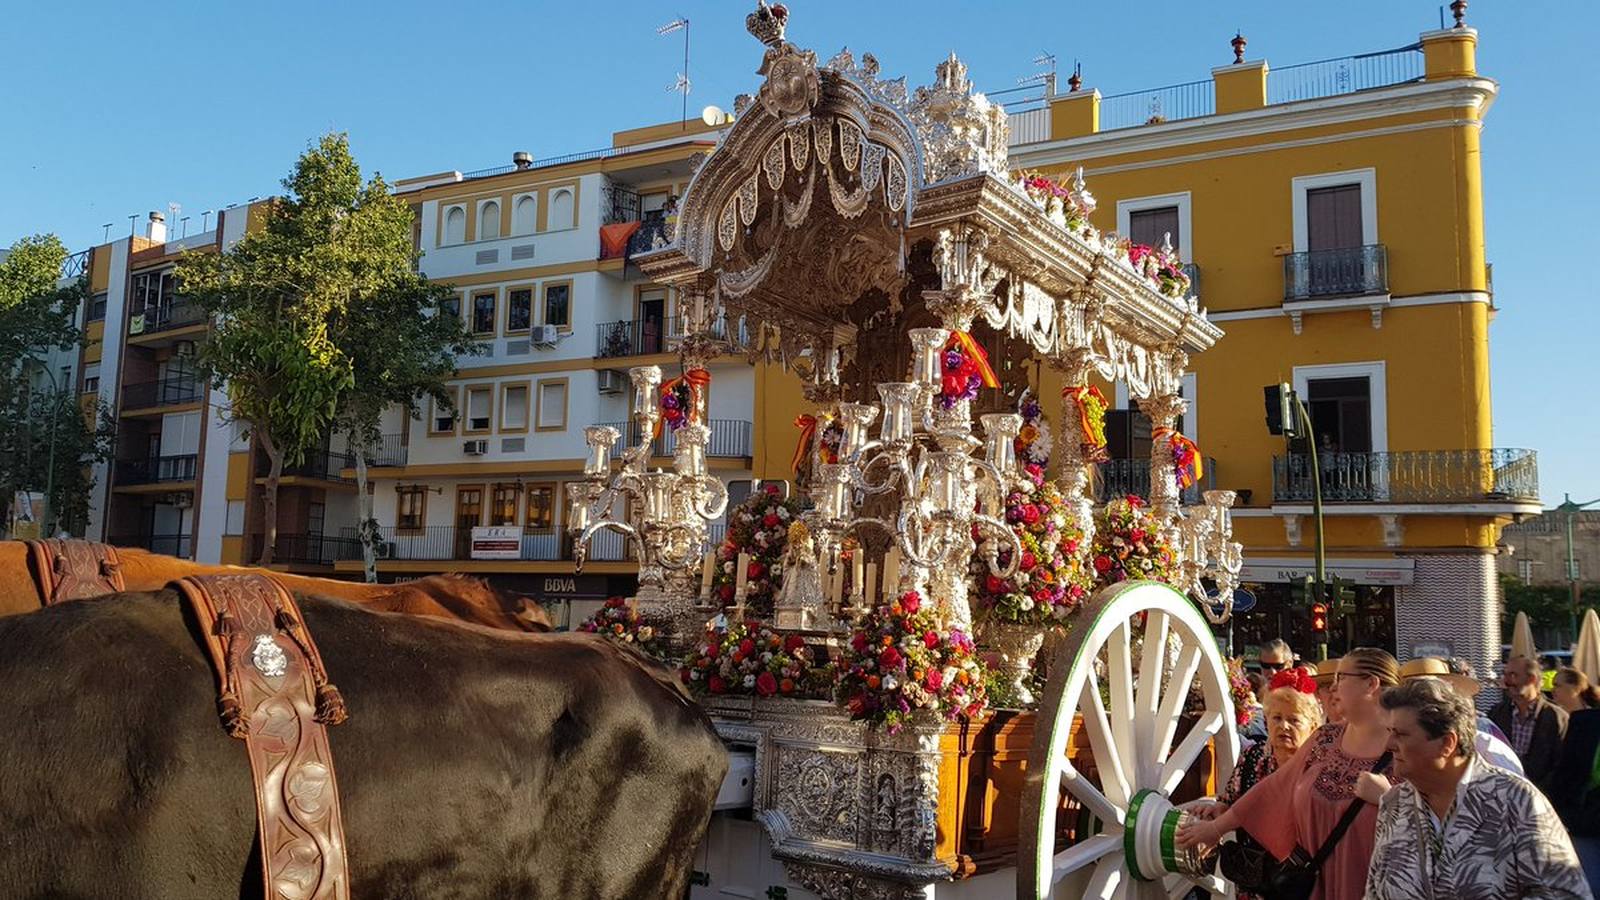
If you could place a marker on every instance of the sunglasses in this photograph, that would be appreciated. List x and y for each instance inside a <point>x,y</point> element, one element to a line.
<point>1273,666</point>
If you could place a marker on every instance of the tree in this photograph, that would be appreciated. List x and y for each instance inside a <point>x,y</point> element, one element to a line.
<point>329,245</point>
<point>46,441</point>
<point>401,350</point>
<point>1549,606</point>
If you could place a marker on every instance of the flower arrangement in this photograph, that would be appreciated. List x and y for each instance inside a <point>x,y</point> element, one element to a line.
<point>1050,582</point>
<point>677,399</point>
<point>742,658</point>
<point>1128,545</point>
<point>832,436</point>
<point>1239,687</point>
<point>1186,463</point>
<point>965,369</point>
<point>620,622</point>
<point>1033,443</point>
<point>1092,408</point>
<point>899,662</point>
<point>1160,265</point>
<point>1058,202</point>
<point>760,527</point>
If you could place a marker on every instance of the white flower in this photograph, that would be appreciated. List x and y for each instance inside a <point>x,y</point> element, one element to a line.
<point>783,513</point>
<point>949,674</point>
<point>1027,603</point>
<point>727,567</point>
<point>646,633</point>
<point>890,682</point>
<point>749,681</point>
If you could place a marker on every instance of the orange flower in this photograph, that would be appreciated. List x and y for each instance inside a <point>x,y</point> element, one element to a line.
<point>873,682</point>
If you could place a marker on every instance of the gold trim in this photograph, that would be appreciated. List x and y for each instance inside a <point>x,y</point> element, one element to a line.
<point>455,419</point>
<point>533,289</point>
<point>538,406</point>
<point>159,410</point>
<point>466,411</point>
<point>532,273</point>
<point>544,303</point>
<point>494,317</point>
<point>527,405</point>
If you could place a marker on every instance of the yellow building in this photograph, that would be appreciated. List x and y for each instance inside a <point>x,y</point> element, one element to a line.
<point>1332,214</point>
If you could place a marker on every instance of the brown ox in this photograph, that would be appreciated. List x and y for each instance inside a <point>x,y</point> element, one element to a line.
<point>454,597</point>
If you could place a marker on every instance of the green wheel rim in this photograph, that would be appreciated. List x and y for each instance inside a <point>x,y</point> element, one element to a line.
<point>1169,839</point>
<point>1130,843</point>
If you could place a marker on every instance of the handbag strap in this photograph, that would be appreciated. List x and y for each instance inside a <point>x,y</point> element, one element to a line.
<point>1346,820</point>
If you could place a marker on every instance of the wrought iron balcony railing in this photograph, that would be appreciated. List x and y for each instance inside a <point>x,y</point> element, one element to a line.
<point>1347,272</point>
<point>179,545</point>
<point>1410,476</point>
<point>171,391</point>
<point>306,549</point>
<point>390,450</point>
<point>324,465</point>
<point>166,316</point>
<point>641,337</point>
<point>1122,477</point>
<point>448,542</point>
<point>156,469</point>
<point>730,438</point>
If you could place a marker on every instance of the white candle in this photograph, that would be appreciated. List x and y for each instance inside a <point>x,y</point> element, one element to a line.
<point>836,586</point>
<point>740,584</point>
<point>858,579</point>
<point>705,575</point>
<point>891,572</point>
<point>872,585</point>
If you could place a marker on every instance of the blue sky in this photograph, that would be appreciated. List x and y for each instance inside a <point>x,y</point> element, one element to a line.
<point>117,109</point>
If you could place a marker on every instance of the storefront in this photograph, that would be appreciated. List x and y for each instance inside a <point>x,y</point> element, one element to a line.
<point>569,599</point>
<point>1280,609</point>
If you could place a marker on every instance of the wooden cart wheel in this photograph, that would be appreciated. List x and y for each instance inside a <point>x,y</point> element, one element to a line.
<point>1132,743</point>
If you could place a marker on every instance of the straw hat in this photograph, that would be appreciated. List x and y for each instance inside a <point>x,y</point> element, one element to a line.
<point>1434,667</point>
<point>1326,669</point>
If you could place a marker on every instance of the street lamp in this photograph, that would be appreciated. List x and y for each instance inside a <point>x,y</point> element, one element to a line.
<point>1571,509</point>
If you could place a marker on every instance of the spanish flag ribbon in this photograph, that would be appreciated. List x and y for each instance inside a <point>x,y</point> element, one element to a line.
<point>1189,466</point>
<point>1091,413</point>
<point>963,341</point>
<point>808,430</point>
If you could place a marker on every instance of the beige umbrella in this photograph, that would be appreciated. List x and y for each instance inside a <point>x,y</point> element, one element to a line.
<point>1522,638</point>
<point>1586,658</point>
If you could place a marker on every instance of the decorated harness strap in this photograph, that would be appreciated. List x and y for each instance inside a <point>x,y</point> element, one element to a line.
<point>274,694</point>
<point>74,570</point>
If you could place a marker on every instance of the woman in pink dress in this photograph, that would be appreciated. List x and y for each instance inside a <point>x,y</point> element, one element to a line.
<point>1300,803</point>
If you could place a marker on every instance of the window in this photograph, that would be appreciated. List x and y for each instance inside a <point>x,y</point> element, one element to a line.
<point>97,308</point>
<point>519,309</point>
<point>541,508</point>
<point>488,221</point>
<point>479,409</point>
<point>561,203</point>
<point>558,305</point>
<point>1333,217</point>
<point>503,504</point>
<point>451,306</point>
<point>1150,226</point>
<point>514,407</point>
<point>91,378</point>
<point>411,508</point>
<point>316,516</point>
<point>483,306</point>
<point>1341,411</point>
<point>455,225</point>
<point>552,413</point>
<point>525,215</point>
<point>443,420</point>
<point>1145,220</point>
<point>65,379</point>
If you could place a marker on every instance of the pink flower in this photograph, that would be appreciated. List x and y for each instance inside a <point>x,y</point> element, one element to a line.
<point>1028,560</point>
<point>930,640</point>
<point>911,601</point>
<point>934,681</point>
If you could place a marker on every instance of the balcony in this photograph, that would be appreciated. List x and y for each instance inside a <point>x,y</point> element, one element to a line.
<point>323,466</point>
<point>650,231</point>
<point>155,470</point>
<point>1122,477</point>
<point>306,549</point>
<point>1410,476</point>
<point>180,545</point>
<point>171,391</point>
<point>1347,272</point>
<point>451,542</point>
<point>638,337</point>
<point>166,317</point>
<point>390,450</point>
<point>730,438</point>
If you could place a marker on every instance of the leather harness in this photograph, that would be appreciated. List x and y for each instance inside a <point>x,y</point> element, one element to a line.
<point>74,570</point>
<point>274,694</point>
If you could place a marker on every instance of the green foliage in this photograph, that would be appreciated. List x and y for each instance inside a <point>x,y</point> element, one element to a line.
<point>1547,605</point>
<point>26,437</point>
<point>35,315</point>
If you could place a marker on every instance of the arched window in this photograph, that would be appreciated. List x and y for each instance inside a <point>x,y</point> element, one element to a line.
<point>525,215</point>
<point>455,225</point>
<point>561,210</point>
<point>489,221</point>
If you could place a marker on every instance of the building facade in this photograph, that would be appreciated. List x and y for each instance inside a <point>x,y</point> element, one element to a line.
<point>1331,215</point>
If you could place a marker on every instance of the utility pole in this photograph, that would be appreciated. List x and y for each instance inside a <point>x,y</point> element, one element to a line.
<point>1292,420</point>
<point>681,23</point>
<point>1573,582</point>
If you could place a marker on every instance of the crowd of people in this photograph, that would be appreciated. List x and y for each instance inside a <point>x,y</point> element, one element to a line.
<point>1369,779</point>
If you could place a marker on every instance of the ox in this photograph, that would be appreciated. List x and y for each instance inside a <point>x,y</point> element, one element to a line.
<point>475,763</point>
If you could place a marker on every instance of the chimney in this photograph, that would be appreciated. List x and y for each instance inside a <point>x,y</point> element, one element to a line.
<point>156,228</point>
<point>522,159</point>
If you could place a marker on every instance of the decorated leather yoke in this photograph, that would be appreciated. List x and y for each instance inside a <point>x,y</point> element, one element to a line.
<point>74,570</point>
<point>274,694</point>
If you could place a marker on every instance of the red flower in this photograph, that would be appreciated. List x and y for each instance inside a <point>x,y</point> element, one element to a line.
<point>717,685</point>
<point>931,640</point>
<point>711,650</point>
<point>766,684</point>
<point>954,383</point>
<point>1028,560</point>
<point>858,642</point>
<point>794,642</point>
<point>1102,564</point>
<point>889,658</point>
<point>911,601</point>
<point>1042,596</point>
<point>935,680</point>
<point>1030,514</point>
<point>726,592</point>
<point>747,646</point>
<point>786,686</point>
<point>755,571</point>
<point>770,520</point>
<point>1136,535</point>
<point>994,585</point>
<point>772,490</point>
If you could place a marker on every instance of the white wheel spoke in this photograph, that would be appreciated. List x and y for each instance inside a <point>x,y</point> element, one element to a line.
<point>1182,758</point>
<point>1119,668</point>
<point>1090,796</point>
<point>1107,876</point>
<point>1152,665</point>
<point>1172,704</point>
<point>1102,744</point>
<point>1084,853</point>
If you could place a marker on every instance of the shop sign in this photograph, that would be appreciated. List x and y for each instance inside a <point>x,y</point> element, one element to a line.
<point>1292,571</point>
<point>496,542</point>
<point>1438,649</point>
<point>1243,601</point>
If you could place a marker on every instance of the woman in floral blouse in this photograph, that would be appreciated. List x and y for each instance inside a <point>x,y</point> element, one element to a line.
<point>1457,827</point>
<point>1292,714</point>
<point>1299,804</point>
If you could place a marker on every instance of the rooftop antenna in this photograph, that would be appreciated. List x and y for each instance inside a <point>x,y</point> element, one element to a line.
<point>173,211</point>
<point>185,223</point>
<point>205,221</point>
<point>106,238</point>
<point>1046,78</point>
<point>130,223</point>
<point>681,85</point>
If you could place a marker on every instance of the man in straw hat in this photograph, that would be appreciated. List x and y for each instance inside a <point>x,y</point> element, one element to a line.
<point>1323,675</point>
<point>1490,748</point>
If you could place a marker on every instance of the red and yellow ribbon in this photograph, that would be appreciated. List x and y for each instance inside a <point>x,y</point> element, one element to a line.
<point>1187,463</point>
<point>961,340</point>
<point>1092,407</point>
<point>698,380</point>
<point>808,430</point>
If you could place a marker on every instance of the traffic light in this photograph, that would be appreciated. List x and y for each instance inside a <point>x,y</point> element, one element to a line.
<point>1280,416</point>
<point>1319,618</point>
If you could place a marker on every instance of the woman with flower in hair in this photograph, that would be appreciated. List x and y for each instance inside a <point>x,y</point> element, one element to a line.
<point>1292,715</point>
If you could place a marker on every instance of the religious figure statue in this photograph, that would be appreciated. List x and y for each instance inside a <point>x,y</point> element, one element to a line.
<point>800,600</point>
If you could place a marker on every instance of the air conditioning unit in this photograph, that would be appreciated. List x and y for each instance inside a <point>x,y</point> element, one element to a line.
<point>545,335</point>
<point>475,448</point>
<point>384,550</point>
<point>612,381</point>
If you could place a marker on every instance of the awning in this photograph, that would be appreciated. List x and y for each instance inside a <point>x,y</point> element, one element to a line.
<point>1282,570</point>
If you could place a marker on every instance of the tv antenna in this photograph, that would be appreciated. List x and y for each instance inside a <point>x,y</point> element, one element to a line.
<point>682,84</point>
<point>1046,77</point>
